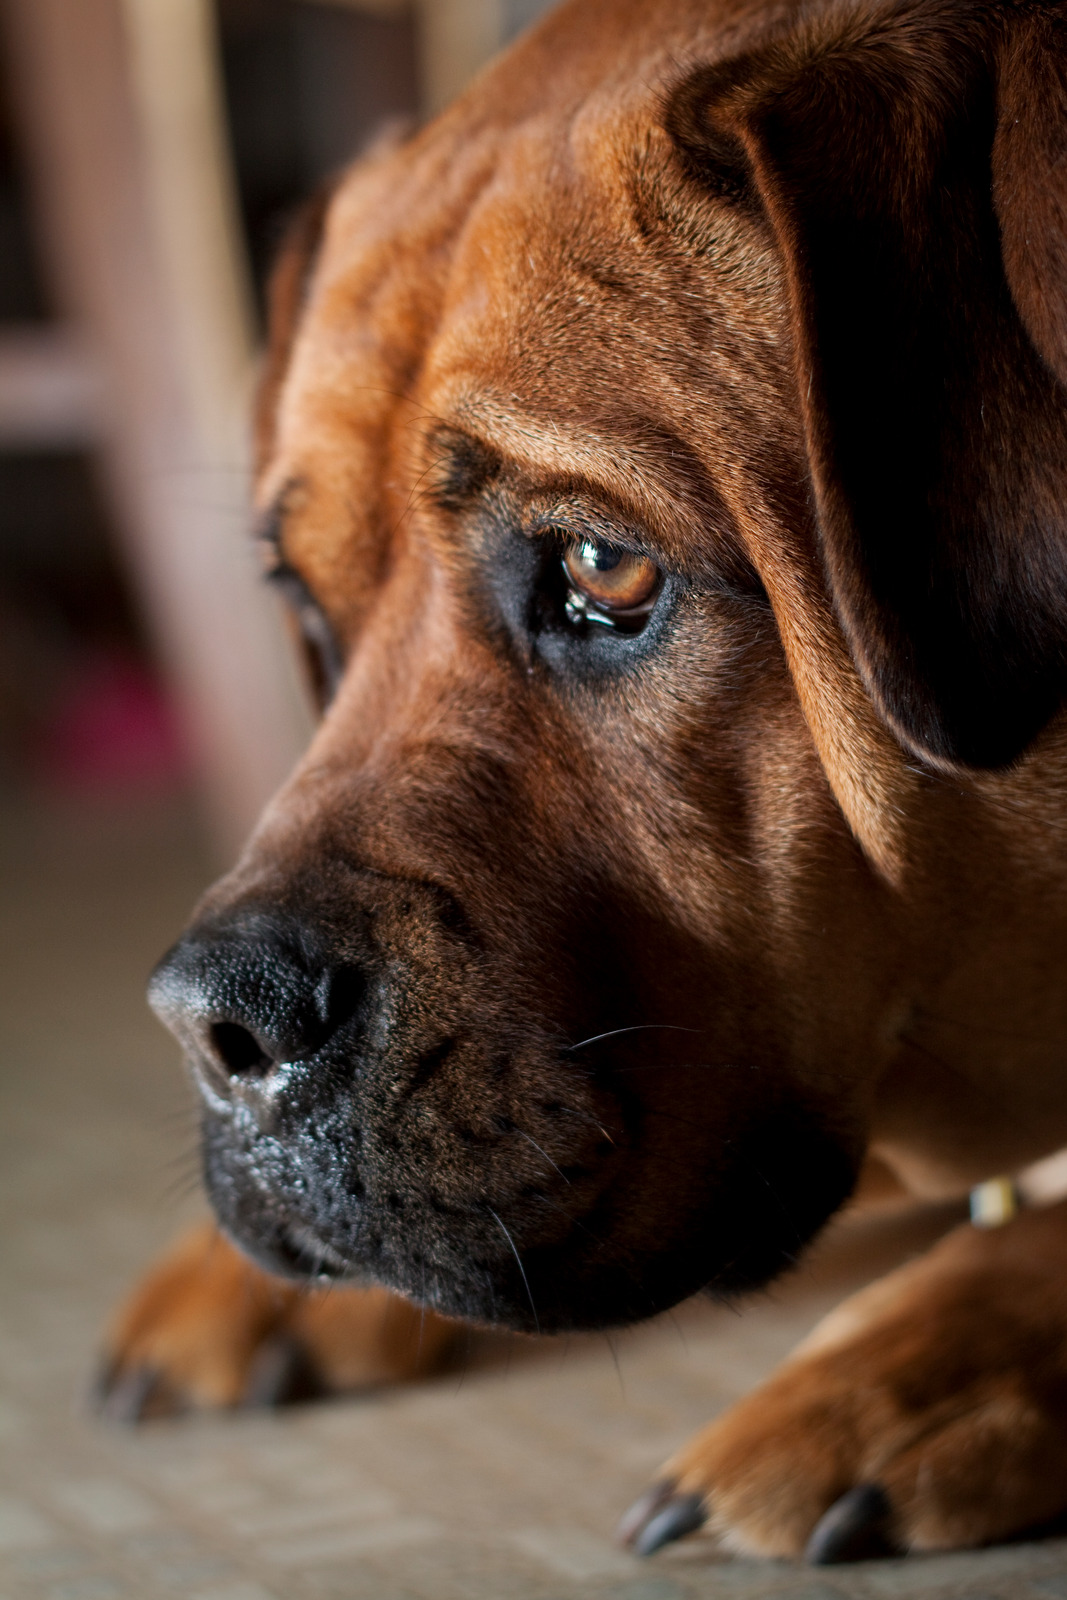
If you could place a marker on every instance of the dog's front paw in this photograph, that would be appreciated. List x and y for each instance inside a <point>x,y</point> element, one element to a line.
<point>206,1328</point>
<point>927,1412</point>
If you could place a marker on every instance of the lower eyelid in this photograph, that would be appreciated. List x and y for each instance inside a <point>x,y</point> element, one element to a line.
<point>581,609</point>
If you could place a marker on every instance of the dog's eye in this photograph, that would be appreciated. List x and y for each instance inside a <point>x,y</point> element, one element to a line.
<point>609,586</point>
<point>321,656</point>
<point>318,646</point>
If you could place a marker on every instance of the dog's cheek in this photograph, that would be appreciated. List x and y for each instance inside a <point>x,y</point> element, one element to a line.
<point>729,1223</point>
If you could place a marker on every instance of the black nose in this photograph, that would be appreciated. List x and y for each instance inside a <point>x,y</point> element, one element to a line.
<point>244,995</point>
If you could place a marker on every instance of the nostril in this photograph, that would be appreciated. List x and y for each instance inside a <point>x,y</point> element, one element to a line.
<point>240,1051</point>
<point>253,992</point>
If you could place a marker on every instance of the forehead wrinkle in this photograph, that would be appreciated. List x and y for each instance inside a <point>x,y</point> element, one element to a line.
<point>624,472</point>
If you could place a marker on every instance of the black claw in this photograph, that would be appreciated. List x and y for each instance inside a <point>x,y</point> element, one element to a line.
<point>682,1514</point>
<point>642,1509</point>
<point>103,1382</point>
<point>281,1374</point>
<point>127,1396</point>
<point>856,1528</point>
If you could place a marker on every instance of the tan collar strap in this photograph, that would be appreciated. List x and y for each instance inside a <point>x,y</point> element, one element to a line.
<point>996,1201</point>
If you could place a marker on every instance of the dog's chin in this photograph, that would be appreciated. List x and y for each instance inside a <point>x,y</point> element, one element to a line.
<point>622,1263</point>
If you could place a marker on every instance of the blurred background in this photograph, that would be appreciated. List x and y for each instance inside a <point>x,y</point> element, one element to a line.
<point>150,154</point>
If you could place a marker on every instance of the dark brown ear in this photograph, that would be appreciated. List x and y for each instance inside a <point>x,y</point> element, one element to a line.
<point>912,163</point>
<point>286,293</point>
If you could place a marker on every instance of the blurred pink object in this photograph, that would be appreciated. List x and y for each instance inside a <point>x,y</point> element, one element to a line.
<point>112,728</point>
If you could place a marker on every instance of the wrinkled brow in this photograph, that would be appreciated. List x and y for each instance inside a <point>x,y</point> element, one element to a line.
<point>648,471</point>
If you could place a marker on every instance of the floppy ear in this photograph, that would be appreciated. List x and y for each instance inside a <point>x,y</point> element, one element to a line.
<point>912,163</point>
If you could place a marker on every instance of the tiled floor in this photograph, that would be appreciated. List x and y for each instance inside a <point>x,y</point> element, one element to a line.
<point>500,1481</point>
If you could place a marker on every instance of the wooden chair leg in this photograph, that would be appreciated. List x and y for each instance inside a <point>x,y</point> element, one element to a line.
<point>120,115</point>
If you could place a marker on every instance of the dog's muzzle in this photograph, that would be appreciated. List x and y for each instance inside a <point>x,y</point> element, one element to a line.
<point>365,1116</point>
<point>379,1106</point>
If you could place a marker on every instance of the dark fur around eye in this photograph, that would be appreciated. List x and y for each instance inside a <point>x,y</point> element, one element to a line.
<point>517,582</point>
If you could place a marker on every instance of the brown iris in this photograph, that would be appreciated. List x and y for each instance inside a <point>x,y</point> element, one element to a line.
<point>610,581</point>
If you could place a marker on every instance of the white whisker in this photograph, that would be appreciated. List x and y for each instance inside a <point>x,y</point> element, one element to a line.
<point>636,1027</point>
<point>522,1269</point>
<point>544,1153</point>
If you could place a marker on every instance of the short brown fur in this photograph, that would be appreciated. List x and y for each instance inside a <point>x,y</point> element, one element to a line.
<point>776,295</point>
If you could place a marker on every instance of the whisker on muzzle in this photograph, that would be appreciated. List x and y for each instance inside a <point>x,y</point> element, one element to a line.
<point>636,1027</point>
<point>542,1152</point>
<point>522,1269</point>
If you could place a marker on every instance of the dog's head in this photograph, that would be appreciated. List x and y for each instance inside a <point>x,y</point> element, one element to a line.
<point>664,458</point>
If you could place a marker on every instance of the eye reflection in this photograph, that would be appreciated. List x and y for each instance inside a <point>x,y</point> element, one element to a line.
<point>609,586</point>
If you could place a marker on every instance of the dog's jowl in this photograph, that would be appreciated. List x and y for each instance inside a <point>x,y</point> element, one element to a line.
<point>664,454</point>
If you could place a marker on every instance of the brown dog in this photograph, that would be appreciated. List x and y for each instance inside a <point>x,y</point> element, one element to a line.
<point>665,453</point>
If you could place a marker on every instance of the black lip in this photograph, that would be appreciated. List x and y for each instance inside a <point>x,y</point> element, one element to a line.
<point>305,1255</point>
<point>771,1191</point>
